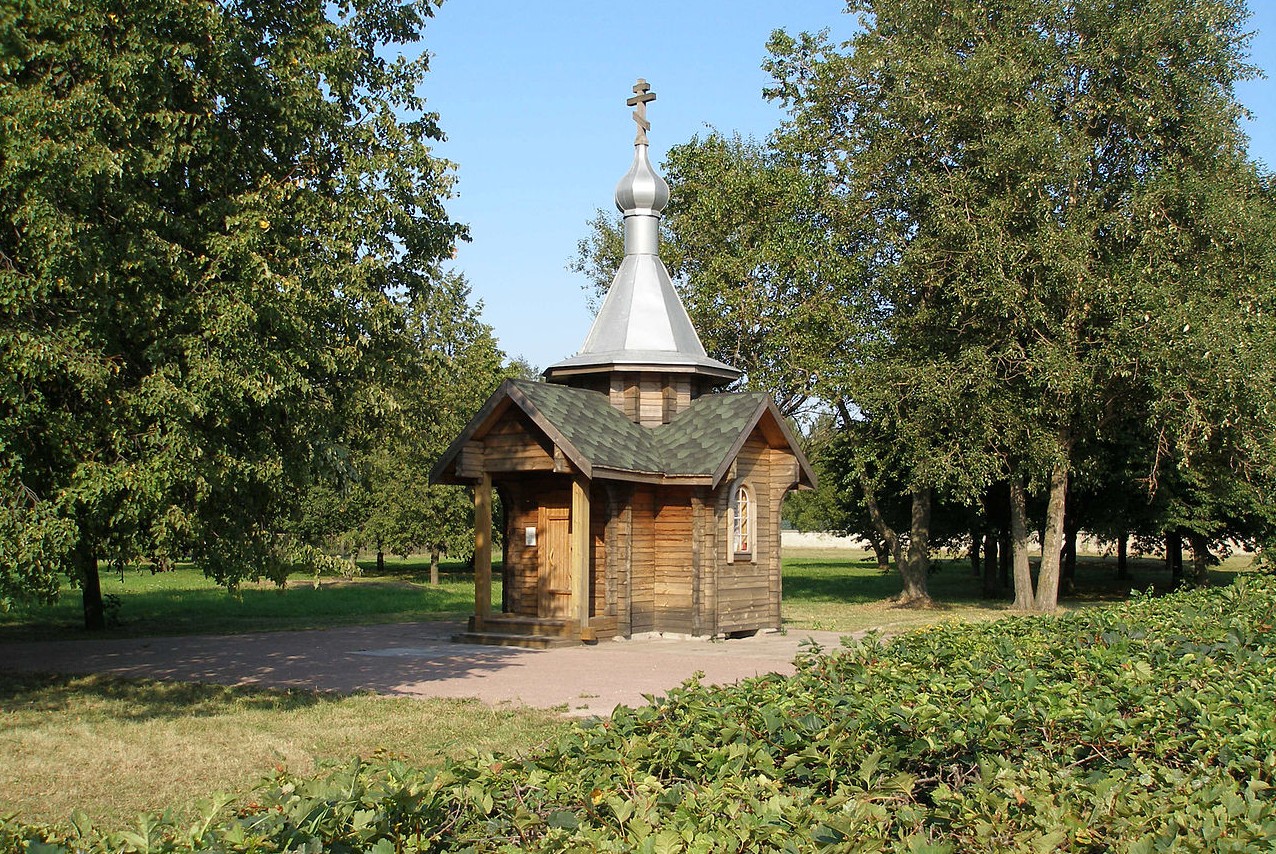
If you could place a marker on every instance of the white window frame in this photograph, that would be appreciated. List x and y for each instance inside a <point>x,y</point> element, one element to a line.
<point>750,520</point>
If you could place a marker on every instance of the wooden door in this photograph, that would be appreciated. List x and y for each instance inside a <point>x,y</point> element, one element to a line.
<point>555,564</point>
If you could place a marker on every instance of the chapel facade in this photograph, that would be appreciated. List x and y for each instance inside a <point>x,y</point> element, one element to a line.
<point>638,496</point>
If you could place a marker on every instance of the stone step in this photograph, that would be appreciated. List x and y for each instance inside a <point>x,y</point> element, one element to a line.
<point>515,624</point>
<point>524,641</point>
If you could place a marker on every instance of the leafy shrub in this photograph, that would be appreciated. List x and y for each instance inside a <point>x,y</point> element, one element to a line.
<point>1140,728</point>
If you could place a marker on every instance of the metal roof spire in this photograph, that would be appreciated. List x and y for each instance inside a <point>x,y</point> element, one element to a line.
<point>642,325</point>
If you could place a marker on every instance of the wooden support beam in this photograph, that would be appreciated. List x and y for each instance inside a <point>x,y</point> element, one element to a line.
<point>482,550</point>
<point>580,551</point>
<point>697,565</point>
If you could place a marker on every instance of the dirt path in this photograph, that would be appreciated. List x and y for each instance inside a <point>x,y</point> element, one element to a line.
<point>419,660</point>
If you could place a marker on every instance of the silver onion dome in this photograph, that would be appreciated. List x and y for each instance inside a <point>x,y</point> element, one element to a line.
<point>641,190</point>
<point>642,324</point>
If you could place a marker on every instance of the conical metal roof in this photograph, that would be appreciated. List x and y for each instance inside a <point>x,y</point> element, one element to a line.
<point>642,324</point>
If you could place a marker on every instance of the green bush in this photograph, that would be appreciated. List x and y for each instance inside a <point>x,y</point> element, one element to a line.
<point>1145,727</point>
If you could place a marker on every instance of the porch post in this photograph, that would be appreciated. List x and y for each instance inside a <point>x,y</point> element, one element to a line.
<point>580,554</point>
<point>482,550</point>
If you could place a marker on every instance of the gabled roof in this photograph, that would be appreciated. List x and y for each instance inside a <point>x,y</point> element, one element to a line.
<point>698,445</point>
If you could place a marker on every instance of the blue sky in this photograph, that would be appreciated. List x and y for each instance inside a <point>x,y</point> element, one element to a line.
<point>532,98</point>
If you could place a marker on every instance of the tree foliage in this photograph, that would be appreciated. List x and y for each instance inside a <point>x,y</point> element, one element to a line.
<point>1053,196</point>
<point>453,366</point>
<point>211,216</point>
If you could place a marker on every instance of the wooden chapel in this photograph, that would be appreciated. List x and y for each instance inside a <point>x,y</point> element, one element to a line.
<point>637,497</point>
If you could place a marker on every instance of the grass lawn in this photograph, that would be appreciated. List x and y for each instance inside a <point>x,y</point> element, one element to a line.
<point>844,591</point>
<point>116,748</point>
<point>183,602</point>
<point>833,589</point>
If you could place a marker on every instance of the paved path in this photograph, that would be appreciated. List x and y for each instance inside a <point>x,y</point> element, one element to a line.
<point>419,660</point>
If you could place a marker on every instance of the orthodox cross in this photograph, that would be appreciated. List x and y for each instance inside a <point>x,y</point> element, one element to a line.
<point>642,96</point>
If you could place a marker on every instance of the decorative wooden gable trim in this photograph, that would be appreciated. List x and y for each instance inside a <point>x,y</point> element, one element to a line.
<point>511,446</point>
<point>514,447</point>
<point>770,423</point>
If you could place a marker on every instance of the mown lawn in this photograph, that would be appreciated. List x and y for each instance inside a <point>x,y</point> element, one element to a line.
<point>844,591</point>
<point>183,601</point>
<point>115,748</point>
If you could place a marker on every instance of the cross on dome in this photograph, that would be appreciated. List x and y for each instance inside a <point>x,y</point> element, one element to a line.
<point>642,96</point>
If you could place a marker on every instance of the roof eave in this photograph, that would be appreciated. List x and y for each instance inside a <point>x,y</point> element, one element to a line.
<point>631,476</point>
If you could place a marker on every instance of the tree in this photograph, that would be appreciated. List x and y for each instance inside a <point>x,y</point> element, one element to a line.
<point>451,368</point>
<point>211,216</point>
<point>1035,181</point>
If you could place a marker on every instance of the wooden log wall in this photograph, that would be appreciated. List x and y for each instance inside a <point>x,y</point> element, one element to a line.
<point>602,602</point>
<point>642,582</point>
<point>620,552</point>
<point>709,559</point>
<point>651,399</point>
<point>748,590</point>
<point>674,565</point>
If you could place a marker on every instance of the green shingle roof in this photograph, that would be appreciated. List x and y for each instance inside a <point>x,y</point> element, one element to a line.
<point>695,443</point>
<point>588,420</point>
<point>698,442</point>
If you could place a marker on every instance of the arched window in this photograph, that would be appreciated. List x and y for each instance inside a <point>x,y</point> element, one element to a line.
<point>743,521</point>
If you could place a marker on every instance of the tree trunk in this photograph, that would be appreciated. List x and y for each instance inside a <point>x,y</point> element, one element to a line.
<point>1201,559</point>
<point>882,552</point>
<point>434,566</point>
<point>889,539</point>
<point>1069,555</point>
<point>1174,557</point>
<point>1004,553</point>
<point>1052,547</point>
<point>91,586</point>
<point>976,566</point>
<point>380,560</point>
<point>1123,557</point>
<point>1019,546</point>
<point>916,565</point>
<point>991,588</point>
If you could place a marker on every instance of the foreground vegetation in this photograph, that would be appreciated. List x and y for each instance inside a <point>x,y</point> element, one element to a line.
<point>1141,727</point>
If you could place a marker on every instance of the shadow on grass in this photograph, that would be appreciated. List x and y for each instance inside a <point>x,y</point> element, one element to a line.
<point>830,581</point>
<point>417,570</point>
<point>135,700</point>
